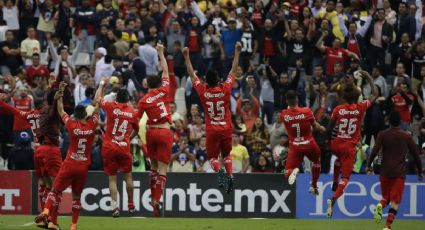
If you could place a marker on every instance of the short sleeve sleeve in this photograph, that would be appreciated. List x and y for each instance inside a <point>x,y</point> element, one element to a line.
<point>66,120</point>
<point>365,104</point>
<point>95,118</point>
<point>103,104</point>
<point>229,82</point>
<point>199,87</point>
<point>310,116</point>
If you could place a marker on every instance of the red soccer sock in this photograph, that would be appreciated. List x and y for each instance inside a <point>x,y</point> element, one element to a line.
<point>337,170</point>
<point>288,172</point>
<point>76,206</point>
<point>45,194</point>
<point>340,190</point>
<point>391,216</point>
<point>50,200</point>
<point>160,185</point>
<point>228,165</point>
<point>215,164</point>
<point>315,173</point>
<point>41,198</point>
<point>153,176</point>
<point>53,215</point>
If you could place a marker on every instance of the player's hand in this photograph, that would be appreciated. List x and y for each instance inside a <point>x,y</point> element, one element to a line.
<point>160,48</point>
<point>322,129</point>
<point>420,177</point>
<point>325,33</point>
<point>238,47</point>
<point>185,51</point>
<point>62,86</point>
<point>58,95</point>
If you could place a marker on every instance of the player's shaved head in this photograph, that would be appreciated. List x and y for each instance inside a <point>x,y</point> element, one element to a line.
<point>80,112</point>
<point>153,81</point>
<point>122,96</point>
<point>395,119</point>
<point>351,94</point>
<point>291,98</point>
<point>212,78</point>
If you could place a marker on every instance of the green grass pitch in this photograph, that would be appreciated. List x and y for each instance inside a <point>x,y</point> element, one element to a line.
<point>8,222</point>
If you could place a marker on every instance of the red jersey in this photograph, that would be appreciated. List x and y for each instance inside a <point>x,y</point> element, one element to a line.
<point>32,71</point>
<point>334,55</point>
<point>401,106</point>
<point>24,104</point>
<point>156,104</point>
<point>49,130</point>
<point>216,103</point>
<point>121,119</point>
<point>81,136</point>
<point>348,119</point>
<point>298,123</point>
<point>29,116</point>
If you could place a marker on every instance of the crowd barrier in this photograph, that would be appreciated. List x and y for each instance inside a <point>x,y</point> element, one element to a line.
<point>197,195</point>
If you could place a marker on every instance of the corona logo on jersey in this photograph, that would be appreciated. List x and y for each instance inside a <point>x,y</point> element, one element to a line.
<point>360,198</point>
<point>15,194</point>
<point>350,112</point>
<point>291,118</point>
<point>118,112</point>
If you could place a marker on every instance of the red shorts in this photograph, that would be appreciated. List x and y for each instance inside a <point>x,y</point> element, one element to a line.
<point>159,143</point>
<point>218,142</point>
<point>116,158</point>
<point>296,154</point>
<point>71,174</point>
<point>346,153</point>
<point>47,160</point>
<point>392,189</point>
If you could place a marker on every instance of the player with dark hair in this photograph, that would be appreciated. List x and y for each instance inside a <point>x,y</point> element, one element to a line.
<point>74,169</point>
<point>47,156</point>
<point>121,120</point>
<point>348,117</point>
<point>159,138</point>
<point>298,122</point>
<point>393,143</point>
<point>215,98</point>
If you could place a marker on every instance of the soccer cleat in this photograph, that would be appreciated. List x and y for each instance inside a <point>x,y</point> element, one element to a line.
<point>378,213</point>
<point>131,208</point>
<point>334,186</point>
<point>116,213</point>
<point>73,227</point>
<point>220,178</point>
<point>293,177</point>
<point>41,219</point>
<point>42,225</point>
<point>53,226</point>
<point>313,190</point>
<point>329,211</point>
<point>229,185</point>
<point>157,208</point>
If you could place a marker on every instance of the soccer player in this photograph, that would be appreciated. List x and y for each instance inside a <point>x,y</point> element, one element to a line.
<point>215,98</point>
<point>121,120</point>
<point>348,117</point>
<point>159,138</point>
<point>74,169</point>
<point>298,122</point>
<point>47,156</point>
<point>393,143</point>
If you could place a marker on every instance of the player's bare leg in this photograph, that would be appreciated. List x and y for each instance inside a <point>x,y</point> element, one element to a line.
<point>159,188</point>
<point>76,206</point>
<point>391,215</point>
<point>128,177</point>
<point>114,191</point>
<point>227,161</point>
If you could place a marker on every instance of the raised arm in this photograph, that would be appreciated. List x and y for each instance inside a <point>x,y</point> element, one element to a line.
<point>319,43</point>
<point>59,97</point>
<point>100,91</point>
<point>189,66</point>
<point>162,60</point>
<point>235,63</point>
<point>375,93</point>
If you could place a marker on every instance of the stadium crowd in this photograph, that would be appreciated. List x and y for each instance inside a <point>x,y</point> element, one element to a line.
<point>313,47</point>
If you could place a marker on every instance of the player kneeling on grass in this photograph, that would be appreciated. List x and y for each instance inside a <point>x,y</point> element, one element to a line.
<point>348,117</point>
<point>121,120</point>
<point>75,168</point>
<point>215,99</point>
<point>159,138</point>
<point>393,143</point>
<point>298,122</point>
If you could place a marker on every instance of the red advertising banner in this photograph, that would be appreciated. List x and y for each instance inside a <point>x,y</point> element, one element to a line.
<point>15,192</point>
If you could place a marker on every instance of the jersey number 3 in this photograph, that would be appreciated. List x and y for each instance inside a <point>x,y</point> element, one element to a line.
<point>216,110</point>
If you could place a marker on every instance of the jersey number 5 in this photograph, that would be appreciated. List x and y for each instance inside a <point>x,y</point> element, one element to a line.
<point>216,110</point>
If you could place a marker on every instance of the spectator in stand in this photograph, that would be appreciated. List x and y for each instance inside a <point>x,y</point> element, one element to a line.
<point>36,69</point>
<point>229,38</point>
<point>174,33</point>
<point>258,139</point>
<point>400,53</point>
<point>85,25</point>
<point>196,130</point>
<point>333,54</point>
<point>201,155</point>
<point>380,35</point>
<point>401,100</point>
<point>108,12</point>
<point>267,93</point>
<point>317,8</point>
<point>174,114</point>
<point>64,22</point>
<point>405,23</point>
<point>121,46</point>
<point>103,65</point>
<point>280,152</point>
<point>267,44</point>
<point>401,76</point>
<point>249,44</point>
<point>10,15</point>
<point>248,108</point>
<point>23,102</point>
<point>262,165</point>
<point>10,54</point>
<point>80,89</point>
<point>284,84</point>
<point>417,54</point>
<point>183,157</point>
<point>379,81</point>
<point>46,22</point>
<point>211,49</point>
<point>390,14</point>
<point>149,56</point>
<point>331,15</point>
<point>29,46</point>
<point>240,155</point>
<point>40,90</point>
